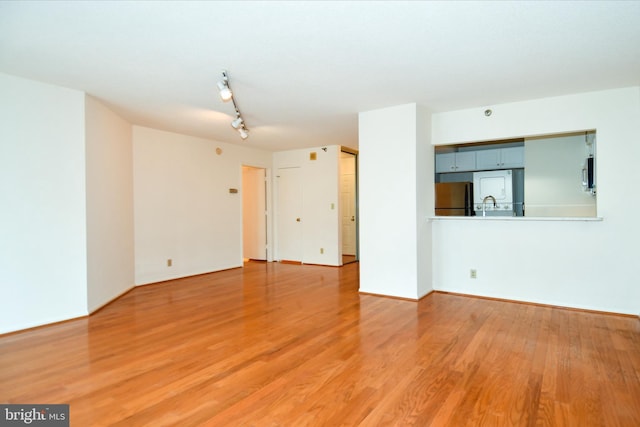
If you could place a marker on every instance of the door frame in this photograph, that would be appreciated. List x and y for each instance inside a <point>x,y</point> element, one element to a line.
<point>268,208</point>
<point>357,204</point>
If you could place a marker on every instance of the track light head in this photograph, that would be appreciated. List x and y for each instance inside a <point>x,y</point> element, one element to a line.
<point>225,92</point>
<point>244,134</point>
<point>238,122</point>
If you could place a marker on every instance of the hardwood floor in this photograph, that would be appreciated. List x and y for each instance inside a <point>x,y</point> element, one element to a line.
<point>294,345</point>
<point>346,259</point>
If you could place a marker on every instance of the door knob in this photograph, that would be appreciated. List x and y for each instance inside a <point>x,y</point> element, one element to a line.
<point>297,219</point>
<point>353,218</point>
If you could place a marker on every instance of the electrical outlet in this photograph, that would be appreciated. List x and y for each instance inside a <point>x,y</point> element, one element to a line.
<point>321,250</point>
<point>169,262</point>
<point>473,273</point>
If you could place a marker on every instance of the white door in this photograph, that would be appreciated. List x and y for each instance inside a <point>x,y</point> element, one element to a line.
<point>289,214</point>
<point>254,220</point>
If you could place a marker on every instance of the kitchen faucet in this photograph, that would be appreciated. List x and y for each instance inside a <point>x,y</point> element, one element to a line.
<point>485,201</point>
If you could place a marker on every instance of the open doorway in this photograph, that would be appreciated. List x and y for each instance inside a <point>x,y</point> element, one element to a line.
<point>349,205</point>
<point>254,213</point>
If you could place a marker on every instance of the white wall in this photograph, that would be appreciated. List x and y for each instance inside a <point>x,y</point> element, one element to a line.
<point>395,194</point>
<point>425,196</point>
<point>553,178</point>
<point>183,210</point>
<point>579,264</point>
<point>43,236</point>
<point>321,222</point>
<point>109,174</point>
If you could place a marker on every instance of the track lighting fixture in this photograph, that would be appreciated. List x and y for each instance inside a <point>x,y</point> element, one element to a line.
<point>227,95</point>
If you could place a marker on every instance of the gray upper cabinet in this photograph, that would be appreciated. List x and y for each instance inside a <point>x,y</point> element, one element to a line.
<point>500,158</point>
<point>456,162</point>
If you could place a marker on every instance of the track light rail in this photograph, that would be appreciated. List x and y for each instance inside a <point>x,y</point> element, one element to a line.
<point>227,95</point>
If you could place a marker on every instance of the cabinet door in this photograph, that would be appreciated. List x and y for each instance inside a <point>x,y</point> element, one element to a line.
<point>512,157</point>
<point>488,159</point>
<point>500,158</point>
<point>445,162</point>
<point>465,161</point>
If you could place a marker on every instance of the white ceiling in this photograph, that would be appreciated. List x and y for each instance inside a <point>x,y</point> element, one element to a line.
<point>301,71</point>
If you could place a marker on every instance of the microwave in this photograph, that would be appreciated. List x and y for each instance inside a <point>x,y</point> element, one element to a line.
<point>588,175</point>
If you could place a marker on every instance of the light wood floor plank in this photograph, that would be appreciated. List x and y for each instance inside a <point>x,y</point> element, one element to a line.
<point>293,345</point>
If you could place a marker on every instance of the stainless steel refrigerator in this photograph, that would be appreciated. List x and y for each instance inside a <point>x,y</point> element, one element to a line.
<point>454,199</point>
